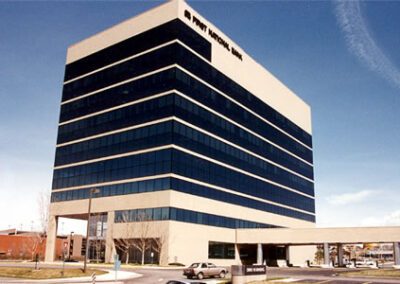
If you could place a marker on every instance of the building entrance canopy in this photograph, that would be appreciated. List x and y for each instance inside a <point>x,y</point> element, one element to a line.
<point>314,236</point>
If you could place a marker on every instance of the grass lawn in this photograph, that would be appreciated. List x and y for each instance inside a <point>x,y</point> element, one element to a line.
<point>45,273</point>
<point>393,273</point>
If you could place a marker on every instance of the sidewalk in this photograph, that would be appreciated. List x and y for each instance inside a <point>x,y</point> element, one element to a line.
<point>104,278</point>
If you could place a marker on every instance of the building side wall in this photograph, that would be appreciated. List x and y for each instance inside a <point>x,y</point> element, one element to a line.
<point>251,75</point>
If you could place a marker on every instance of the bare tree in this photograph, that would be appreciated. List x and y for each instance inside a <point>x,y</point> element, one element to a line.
<point>141,232</point>
<point>39,237</point>
<point>43,205</point>
<point>160,241</point>
<point>124,244</point>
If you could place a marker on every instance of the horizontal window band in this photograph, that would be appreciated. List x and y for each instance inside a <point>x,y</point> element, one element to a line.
<point>241,194</point>
<point>239,125</point>
<point>119,83</point>
<point>185,71</point>
<point>203,157</point>
<point>171,30</point>
<point>292,143</point>
<point>138,101</point>
<point>190,152</point>
<point>159,162</point>
<point>183,178</point>
<point>226,85</point>
<point>184,215</point>
<point>122,61</point>
<point>243,149</point>
<point>201,60</point>
<point>127,154</point>
<point>116,131</point>
<point>101,102</point>
<point>161,128</point>
<point>242,106</point>
<point>207,109</point>
<point>183,186</point>
<point>136,113</point>
<point>136,67</point>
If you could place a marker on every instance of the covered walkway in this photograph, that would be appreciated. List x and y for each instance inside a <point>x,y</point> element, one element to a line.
<point>320,236</point>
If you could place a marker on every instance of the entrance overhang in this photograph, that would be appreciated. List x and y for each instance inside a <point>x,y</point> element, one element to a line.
<point>315,236</point>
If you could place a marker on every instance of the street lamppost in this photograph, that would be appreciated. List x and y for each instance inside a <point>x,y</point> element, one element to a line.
<point>71,246</point>
<point>91,192</point>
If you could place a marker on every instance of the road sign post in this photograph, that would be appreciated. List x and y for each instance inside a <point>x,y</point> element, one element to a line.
<point>117,265</point>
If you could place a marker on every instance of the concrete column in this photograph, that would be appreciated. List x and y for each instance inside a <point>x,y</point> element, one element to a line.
<point>396,253</point>
<point>287,251</point>
<point>340,255</point>
<point>110,246</point>
<point>326,254</point>
<point>51,239</point>
<point>237,255</point>
<point>259,254</point>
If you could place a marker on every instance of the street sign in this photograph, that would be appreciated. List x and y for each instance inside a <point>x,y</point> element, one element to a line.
<point>117,266</point>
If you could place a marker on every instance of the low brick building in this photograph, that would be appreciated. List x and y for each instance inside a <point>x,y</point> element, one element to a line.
<point>24,245</point>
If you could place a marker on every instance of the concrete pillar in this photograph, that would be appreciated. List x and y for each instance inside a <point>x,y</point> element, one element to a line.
<point>396,253</point>
<point>326,254</point>
<point>287,253</point>
<point>287,257</point>
<point>340,255</point>
<point>110,246</point>
<point>259,254</point>
<point>51,239</point>
<point>237,255</point>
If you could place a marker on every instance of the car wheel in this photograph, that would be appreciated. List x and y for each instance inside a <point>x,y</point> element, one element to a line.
<point>200,276</point>
<point>222,274</point>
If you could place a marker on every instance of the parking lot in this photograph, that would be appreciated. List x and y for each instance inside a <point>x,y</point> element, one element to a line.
<point>300,275</point>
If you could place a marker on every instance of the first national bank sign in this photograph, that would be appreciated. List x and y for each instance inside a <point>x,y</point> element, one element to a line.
<point>213,34</point>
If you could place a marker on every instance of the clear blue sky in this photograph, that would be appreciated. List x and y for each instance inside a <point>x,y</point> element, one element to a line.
<point>343,59</point>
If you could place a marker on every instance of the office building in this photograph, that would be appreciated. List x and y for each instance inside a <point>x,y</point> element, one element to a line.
<point>180,138</point>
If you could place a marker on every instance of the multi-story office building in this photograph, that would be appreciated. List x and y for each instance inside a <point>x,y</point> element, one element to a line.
<point>181,132</point>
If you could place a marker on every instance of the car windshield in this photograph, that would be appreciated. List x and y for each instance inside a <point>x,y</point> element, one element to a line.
<point>195,265</point>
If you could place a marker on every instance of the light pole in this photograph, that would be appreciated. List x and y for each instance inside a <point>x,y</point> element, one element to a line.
<point>71,246</point>
<point>91,191</point>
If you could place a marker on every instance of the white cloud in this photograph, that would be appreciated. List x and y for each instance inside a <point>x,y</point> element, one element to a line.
<point>361,43</point>
<point>350,198</point>
<point>391,219</point>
